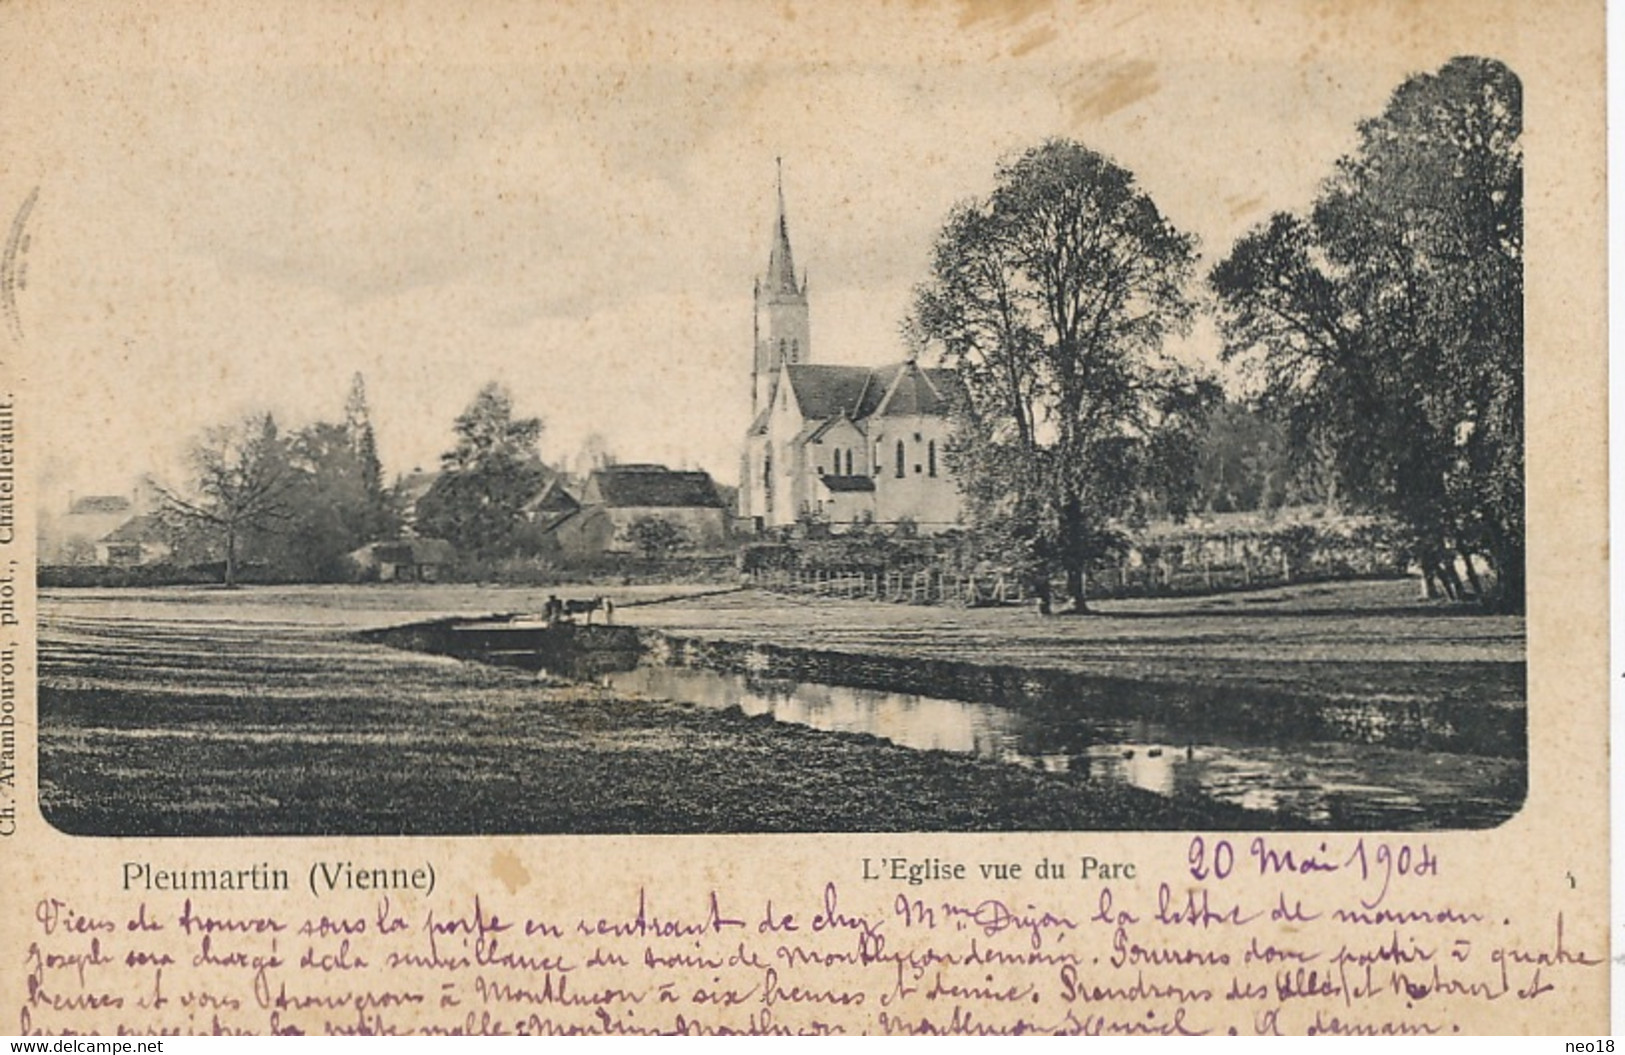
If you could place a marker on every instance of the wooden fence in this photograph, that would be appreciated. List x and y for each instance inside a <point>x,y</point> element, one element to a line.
<point>1155,579</point>
<point>926,586</point>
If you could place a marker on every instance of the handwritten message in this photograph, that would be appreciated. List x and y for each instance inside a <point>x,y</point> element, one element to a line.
<point>1252,937</point>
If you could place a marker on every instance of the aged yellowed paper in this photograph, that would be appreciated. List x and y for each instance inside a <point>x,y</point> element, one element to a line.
<point>535,519</point>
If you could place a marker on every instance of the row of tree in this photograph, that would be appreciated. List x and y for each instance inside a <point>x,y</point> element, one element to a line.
<point>298,501</point>
<point>1383,331</point>
<point>301,503</point>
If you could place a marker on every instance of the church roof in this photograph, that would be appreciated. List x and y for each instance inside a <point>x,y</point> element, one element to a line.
<point>837,484</point>
<point>815,431</point>
<point>825,391</point>
<point>915,391</point>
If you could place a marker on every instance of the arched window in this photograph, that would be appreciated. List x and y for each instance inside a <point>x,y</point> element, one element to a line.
<point>849,461</point>
<point>767,481</point>
<point>795,350</point>
<point>874,466</point>
<point>931,457</point>
<point>902,456</point>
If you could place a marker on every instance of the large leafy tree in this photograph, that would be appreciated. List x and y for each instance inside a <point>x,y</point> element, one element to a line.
<point>1387,323</point>
<point>1052,298</point>
<point>487,476</point>
<point>335,503</point>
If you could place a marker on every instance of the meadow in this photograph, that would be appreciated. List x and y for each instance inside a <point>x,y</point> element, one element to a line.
<point>199,711</point>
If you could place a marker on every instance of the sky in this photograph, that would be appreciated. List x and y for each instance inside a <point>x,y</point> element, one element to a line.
<point>242,206</point>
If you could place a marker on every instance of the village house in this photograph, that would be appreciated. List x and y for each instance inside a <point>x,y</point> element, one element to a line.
<point>139,540</point>
<point>618,496</point>
<point>839,445</point>
<point>405,560</point>
<point>104,529</point>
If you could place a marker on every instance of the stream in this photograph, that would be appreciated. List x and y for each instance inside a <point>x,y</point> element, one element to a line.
<point>1322,783</point>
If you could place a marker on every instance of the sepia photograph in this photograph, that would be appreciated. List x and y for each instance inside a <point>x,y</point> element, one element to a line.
<point>585,446</point>
<point>929,517</point>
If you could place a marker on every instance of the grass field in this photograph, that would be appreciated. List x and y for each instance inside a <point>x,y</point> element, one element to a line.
<point>193,711</point>
<point>206,712</point>
<point>1343,641</point>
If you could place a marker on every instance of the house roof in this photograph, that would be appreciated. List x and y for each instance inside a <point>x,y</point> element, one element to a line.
<point>847,484</point>
<point>144,528</point>
<point>99,505</point>
<point>651,485</point>
<point>552,498</point>
<point>415,551</point>
<point>414,485</point>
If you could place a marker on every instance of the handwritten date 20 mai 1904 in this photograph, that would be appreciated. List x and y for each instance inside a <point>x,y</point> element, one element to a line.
<point>1383,950</point>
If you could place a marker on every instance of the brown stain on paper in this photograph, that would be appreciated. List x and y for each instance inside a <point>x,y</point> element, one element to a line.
<point>1100,94</point>
<point>1007,12</point>
<point>509,870</point>
<point>1034,40</point>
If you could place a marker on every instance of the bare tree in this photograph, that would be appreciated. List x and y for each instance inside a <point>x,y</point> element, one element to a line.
<point>241,483</point>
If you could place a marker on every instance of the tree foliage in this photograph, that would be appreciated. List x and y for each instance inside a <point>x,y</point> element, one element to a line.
<point>1387,323</point>
<point>380,519</point>
<point>1246,462</point>
<point>656,537</point>
<point>489,435</point>
<point>1052,298</point>
<point>297,503</point>
<point>487,477</point>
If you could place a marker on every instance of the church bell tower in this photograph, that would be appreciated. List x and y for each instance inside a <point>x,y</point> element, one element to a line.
<point>782,334</point>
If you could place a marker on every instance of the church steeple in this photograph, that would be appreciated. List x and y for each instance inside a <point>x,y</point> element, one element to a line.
<point>781,263</point>
<point>782,331</point>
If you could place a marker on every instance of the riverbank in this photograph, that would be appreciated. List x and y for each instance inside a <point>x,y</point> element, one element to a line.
<point>210,712</point>
<point>1333,643</point>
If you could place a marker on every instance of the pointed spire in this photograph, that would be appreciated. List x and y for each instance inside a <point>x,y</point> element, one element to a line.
<point>781,266</point>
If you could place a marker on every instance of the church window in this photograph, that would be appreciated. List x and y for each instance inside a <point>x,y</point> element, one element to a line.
<point>849,461</point>
<point>877,460</point>
<point>931,456</point>
<point>901,458</point>
<point>795,350</point>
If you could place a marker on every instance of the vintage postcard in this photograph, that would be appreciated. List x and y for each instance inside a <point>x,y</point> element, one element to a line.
<point>935,517</point>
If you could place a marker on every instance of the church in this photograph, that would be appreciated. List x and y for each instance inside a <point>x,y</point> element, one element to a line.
<point>839,445</point>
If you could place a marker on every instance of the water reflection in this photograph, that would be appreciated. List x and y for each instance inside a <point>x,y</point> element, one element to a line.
<point>1343,784</point>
